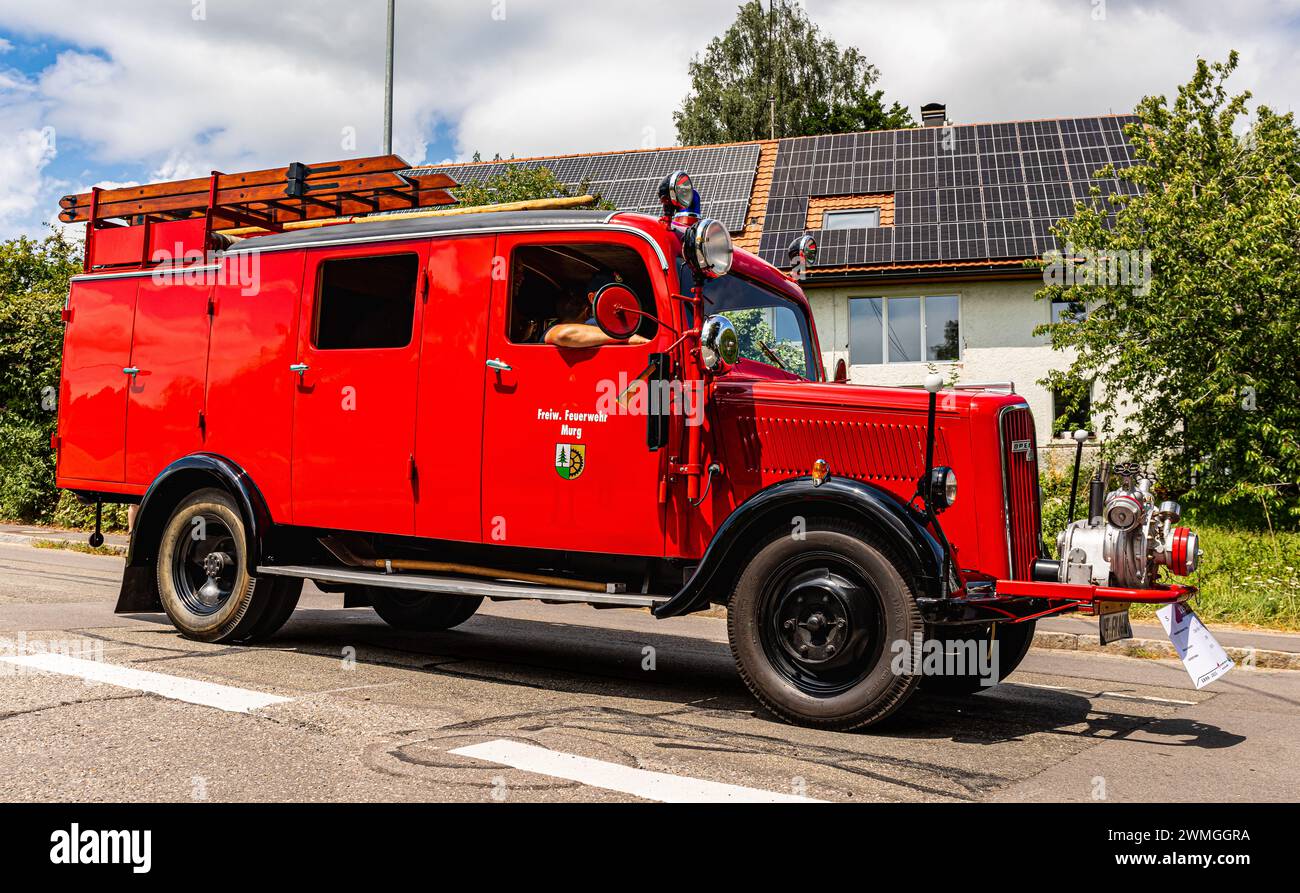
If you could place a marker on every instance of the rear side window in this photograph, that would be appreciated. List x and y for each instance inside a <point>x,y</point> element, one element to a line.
<point>366,302</point>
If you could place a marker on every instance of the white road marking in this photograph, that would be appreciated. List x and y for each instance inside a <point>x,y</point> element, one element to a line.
<point>192,691</point>
<point>1109,694</point>
<point>613,777</point>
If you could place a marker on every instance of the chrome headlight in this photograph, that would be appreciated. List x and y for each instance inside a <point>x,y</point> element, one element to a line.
<point>719,344</point>
<point>943,486</point>
<point>708,249</point>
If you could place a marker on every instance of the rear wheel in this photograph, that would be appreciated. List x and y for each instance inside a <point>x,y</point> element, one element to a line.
<point>1012,640</point>
<point>814,623</point>
<point>419,611</point>
<point>203,577</point>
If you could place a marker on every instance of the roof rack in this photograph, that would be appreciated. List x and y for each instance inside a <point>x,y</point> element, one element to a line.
<point>268,199</point>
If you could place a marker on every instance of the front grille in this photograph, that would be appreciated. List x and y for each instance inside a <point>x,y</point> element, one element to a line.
<point>1020,490</point>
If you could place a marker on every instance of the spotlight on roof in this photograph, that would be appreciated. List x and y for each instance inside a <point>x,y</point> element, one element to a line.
<point>678,195</point>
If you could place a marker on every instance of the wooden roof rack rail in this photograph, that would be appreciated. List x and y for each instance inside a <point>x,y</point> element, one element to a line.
<point>268,199</point>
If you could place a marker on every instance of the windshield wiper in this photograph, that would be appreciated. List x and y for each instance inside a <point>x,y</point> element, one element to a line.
<point>771,355</point>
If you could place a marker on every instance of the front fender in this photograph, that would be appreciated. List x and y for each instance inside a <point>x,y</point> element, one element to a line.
<point>174,483</point>
<point>897,526</point>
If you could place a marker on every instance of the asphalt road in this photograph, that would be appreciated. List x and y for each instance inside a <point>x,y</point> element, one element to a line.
<point>362,712</point>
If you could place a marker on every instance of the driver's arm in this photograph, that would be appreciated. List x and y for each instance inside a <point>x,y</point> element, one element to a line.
<point>576,334</point>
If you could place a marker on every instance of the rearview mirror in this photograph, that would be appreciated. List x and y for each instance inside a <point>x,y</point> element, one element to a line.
<point>719,344</point>
<point>617,310</point>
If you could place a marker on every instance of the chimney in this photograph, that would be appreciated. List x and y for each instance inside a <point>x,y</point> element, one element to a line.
<point>934,114</point>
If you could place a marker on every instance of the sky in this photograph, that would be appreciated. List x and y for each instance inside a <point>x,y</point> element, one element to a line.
<point>132,91</point>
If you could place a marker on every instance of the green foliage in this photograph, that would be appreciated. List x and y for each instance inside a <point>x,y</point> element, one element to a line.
<point>752,327</point>
<point>1204,352</point>
<point>780,53</point>
<point>1249,574</point>
<point>33,286</point>
<point>518,183</point>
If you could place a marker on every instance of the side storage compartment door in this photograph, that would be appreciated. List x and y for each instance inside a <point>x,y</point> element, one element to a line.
<point>449,419</point>
<point>249,417</point>
<point>92,388</point>
<point>356,374</point>
<point>169,358</point>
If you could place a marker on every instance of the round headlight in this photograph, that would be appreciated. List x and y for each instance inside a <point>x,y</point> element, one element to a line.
<point>708,248</point>
<point>943,486</point>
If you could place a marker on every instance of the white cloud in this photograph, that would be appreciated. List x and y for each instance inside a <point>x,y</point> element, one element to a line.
<point>5,45</point>
<point>146,86</point>
<point>1005,60</point>
<point>26,147</point>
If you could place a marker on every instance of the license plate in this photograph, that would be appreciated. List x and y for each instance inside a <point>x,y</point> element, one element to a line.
<point>1113,622</point>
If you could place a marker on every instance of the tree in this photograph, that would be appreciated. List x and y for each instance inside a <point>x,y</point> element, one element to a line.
<point>779,53</point>
<point>518,183</point>
<point>1199,349</point>
<point>754,329</point>
<point>33,285</point>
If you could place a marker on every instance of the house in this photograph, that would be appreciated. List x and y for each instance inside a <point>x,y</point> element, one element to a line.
<point>923,233</point>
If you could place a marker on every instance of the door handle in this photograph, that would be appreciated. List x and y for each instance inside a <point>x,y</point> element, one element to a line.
<point>499,365</point>
<point>300,368</point>
<point>131,371</point>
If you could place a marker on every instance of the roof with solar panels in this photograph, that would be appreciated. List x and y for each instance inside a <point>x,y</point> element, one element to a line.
<point>942,198</point>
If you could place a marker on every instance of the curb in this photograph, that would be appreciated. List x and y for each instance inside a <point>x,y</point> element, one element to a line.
<point>1258,658</point>
<point>26,540</point>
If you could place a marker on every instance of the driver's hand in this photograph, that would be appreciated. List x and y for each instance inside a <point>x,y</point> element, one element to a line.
<point>638,339</point>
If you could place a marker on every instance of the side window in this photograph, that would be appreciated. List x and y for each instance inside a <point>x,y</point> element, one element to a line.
<point>366,302</point>
<point>554,284</point>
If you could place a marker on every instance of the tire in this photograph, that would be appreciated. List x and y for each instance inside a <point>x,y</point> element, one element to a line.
<point>286,592</point>
<point>419,611</point>
<point>1013,641</point>
<point>794,594</point>
<point>193,554</point>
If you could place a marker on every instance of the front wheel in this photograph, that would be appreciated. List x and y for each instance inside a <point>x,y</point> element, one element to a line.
<point>815,625</point>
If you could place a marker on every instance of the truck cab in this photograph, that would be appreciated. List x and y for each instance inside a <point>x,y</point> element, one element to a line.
<point>425,410</point>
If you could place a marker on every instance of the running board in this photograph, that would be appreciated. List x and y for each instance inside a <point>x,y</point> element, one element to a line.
<point>462,586</point>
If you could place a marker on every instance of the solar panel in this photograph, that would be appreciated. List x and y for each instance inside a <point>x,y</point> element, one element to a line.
<point>966,192</point>
<point>723,175</point>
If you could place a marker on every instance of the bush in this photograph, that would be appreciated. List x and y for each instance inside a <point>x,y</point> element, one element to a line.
<point>33,285</point>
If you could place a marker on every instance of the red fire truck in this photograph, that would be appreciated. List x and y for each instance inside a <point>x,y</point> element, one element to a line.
<point>424,410</point>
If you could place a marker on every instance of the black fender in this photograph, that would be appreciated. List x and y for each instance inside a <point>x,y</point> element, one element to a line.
<point>176,481</point>
<point>897,526</point>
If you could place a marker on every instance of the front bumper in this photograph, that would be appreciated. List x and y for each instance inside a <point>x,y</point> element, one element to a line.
<point>1090,595</point>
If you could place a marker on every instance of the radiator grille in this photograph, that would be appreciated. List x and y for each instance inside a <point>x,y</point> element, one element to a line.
<point>1020,490</point>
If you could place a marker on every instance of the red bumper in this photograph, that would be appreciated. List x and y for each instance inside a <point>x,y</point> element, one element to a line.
<point>1159,595</point>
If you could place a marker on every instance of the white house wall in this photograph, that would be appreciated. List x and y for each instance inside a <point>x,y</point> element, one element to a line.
<point>997,341</point>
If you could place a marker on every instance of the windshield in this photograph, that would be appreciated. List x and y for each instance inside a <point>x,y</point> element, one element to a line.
<point>772,329</point>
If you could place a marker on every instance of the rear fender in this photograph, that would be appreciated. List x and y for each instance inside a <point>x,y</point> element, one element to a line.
<point>177,481</point>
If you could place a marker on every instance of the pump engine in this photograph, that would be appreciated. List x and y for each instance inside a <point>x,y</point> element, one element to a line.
<point>1127,536</point>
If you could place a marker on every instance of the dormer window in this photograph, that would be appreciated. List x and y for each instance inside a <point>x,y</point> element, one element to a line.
<point>851,218</point>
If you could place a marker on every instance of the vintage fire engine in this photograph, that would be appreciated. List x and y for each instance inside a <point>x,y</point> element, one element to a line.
<point>293,387</point>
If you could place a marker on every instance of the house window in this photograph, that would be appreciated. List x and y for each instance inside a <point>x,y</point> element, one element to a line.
<point>853,218</point>
<point>1071,409</point>
<point>926,328</point>
<point>366,302</point>
<point>1073,310</point>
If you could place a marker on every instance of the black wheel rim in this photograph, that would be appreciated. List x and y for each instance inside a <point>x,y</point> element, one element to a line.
<point>205,565</point>
<point>821,623</point>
